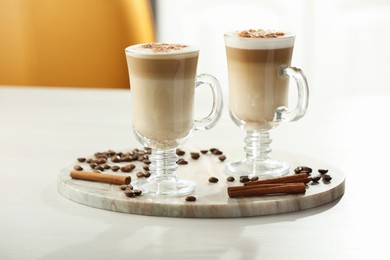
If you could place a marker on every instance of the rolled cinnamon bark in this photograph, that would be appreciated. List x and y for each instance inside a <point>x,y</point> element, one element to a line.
<point>296,178</point>
<point>266,189</point>
<point>101,177</point>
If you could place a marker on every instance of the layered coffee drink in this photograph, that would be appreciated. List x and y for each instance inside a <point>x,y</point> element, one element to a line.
<point>162,82</point>
<point>257,89</point>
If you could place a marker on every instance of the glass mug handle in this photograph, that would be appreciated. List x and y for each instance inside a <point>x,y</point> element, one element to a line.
<point>209,121</point>
<point>283,113</point>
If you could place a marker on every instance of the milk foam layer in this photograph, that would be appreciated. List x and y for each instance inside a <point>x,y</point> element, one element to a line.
<point>163,50</point>
<point>235,40</point>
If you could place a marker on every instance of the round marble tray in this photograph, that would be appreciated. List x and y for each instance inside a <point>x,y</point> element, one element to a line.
<point>212,200</point>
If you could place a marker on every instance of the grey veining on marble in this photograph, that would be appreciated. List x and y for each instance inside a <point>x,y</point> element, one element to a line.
<point>212,199</point>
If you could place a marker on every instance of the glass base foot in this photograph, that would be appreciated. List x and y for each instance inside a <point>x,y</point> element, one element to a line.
<point>165,186</point>
<point>262,169</point>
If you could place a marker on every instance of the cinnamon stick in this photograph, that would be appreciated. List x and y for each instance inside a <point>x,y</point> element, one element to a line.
<point>296,178</point>
<point>101,177</point>
<point>267,189</point>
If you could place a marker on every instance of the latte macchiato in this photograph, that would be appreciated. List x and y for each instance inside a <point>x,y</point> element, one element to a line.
<point>256,87</point>
<point>162,81</point>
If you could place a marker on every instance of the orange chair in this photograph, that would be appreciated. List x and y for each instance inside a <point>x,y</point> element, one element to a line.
<point>70,43</point>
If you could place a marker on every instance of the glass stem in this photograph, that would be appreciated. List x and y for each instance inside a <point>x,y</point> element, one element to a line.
<point>163,164</point>
<point>258,146</point>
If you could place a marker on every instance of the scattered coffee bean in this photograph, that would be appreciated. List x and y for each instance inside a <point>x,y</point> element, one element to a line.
<point>145,167</point>
<point>190,198</point>
<point>146,161</point>
<point>123,187</point>
<point>89,160</point>
<point>327,178</point>
<point>244,179</point>
<point>128,168</point>
<point>129,193</point>
<point>254,178</point>
<point>116,158</point>
<point>106,166</point>
<point>213,179</point>
<point>126,158</point>
<point>180,152</point>
<point>101,160</point>
<point>323,171</point>
<point>230,179</point>
<point>115,168</point>
<point>140,175</point>
<point>129,187</point>
<point>81,159</point>
<point>217,152</point>
<point>315,178</point>
<point>222,158</point>
<point>147,174</point>
<point>78,168</point>
<point>195,156</point>
<point>204,151</point>
<point>137,192</point>
<point>99,168</point>
<point>303,169</point>
<point>92,165</point>
<point>182,161</point>
<point>141,158</point>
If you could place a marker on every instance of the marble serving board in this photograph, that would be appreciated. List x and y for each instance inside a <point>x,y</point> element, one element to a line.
<point>212,200</point>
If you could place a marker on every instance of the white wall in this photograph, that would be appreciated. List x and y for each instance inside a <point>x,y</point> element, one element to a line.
<point>342,45</point>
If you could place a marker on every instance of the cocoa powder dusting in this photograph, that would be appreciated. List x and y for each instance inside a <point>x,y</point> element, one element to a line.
<point>260,33</point>
<point>164,47</point>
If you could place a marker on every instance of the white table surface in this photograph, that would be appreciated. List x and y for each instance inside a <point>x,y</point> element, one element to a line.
<point>43,129</point>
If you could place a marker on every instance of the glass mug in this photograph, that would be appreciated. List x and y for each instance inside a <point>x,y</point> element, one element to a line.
<point>163,82</point>
<point>258,74</point>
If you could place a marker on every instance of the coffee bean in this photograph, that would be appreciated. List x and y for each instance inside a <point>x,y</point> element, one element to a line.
<point>217,152</point>
<point>254,178</point>
<point>244,179</point>
<point>204,151</point>
<point>230,179</point>
<point>89,160</point>
<point>146,161</point>
<point>101,160</point>
<point>92,165</point>
<point>222,158</point>
<point>147,174</point>
<point>115,168</point>
<point>180,152</point>
<point>190,198</point>
<point>137,192</point>
<point>303,169</point>
<point>315,178</point>
<point>195,156</point>
<point>323,171</point>
<point>181,161</point>
<point>123,187</point>
<point>81,159</point>
<point>127,168</point>
<point>129,193</point>
<point>106,166</point>
<point>327,178</point>
<point>116,158</point>
<point>145,167</point>
<point>126,158</point>
<point>140,175</point>
<point>99,168</point>
<point>78,167</point>
<point>213,179</point>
